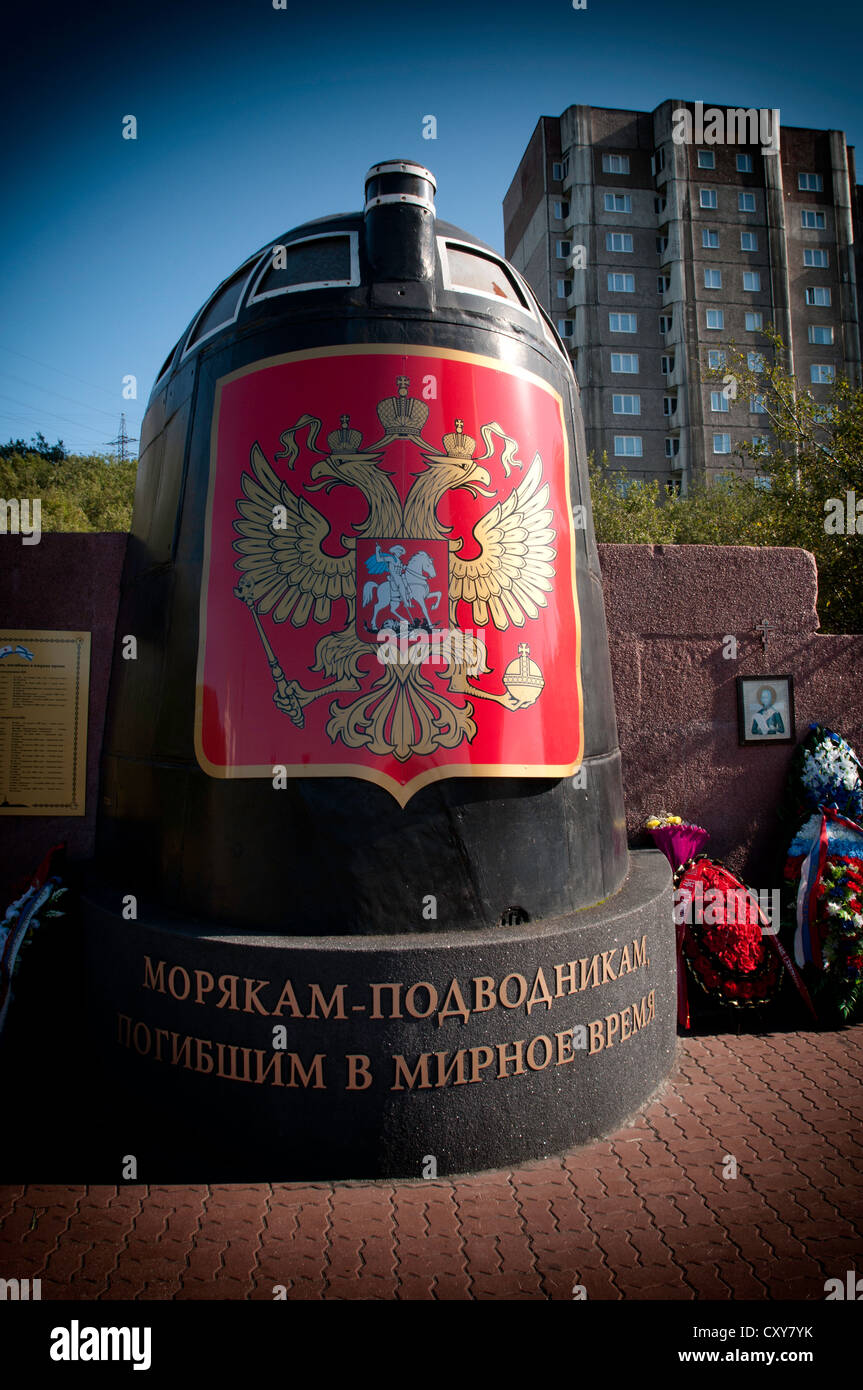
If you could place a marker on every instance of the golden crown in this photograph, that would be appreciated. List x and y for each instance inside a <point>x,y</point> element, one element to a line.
<point>344,440</point>
<point>459,445</point>
<point>402,415</point>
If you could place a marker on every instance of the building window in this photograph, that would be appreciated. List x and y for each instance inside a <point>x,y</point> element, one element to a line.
<point>814,256</point>
<point>672,447</point>
<point>663,284</point>
<point>755,361</point>
<point>618,202</point>
<point>759,443</point>
<point>751,280</point>
<point>818,294</point>
<point>622,323</point>
<point>808,218</point>
<point>565,327</point>
<point>660,204</point>
<point>618,241</point>
<point>561,209</point>
<point>560,169</point>
<point>757,406</point>
<point>661,245</point>
<point>666,364</point>
<point>707,198</point>
<point>712,279</point>
<point>821,373</point>
<point>564,289</point>
<point>820,333</point>
<point>744,164</point>
<point>709,238</point>
<point>665,322</point>
<point>811,183</point>
<point>749,241</point>
<point>563,250</point>
<point>669,405</point>
<point>754,322</point>
<point>657,162</point>
<point>716,358</point>
<point>715,318</point>
<point>626,405</point>
<point>624,362</point>
<point>706,159</point>
<point>722,444</point>
<point>615,163</point>
<point>762,480</point>
<point>746,202</point>
<point>628,445</point>
<point>719,402</point>
<point>620,282</point>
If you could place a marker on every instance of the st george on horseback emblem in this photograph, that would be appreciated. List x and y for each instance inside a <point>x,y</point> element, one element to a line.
<point>389,598</point>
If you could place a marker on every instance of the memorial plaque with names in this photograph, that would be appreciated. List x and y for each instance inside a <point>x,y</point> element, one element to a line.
<point>44,699</point>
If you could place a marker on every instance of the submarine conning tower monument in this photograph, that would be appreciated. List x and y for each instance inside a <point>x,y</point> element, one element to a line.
<point>362,892</point>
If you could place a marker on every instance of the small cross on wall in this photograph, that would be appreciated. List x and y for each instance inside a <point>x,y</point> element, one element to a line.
<point>763,627</point>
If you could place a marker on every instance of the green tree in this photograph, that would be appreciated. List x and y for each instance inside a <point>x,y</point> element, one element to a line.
<point>78,493</point>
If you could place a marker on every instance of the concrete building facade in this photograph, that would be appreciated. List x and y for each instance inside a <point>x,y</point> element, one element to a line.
<point>654,253</point>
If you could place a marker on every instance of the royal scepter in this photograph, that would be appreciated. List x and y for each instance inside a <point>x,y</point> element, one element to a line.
<point>284,697</point>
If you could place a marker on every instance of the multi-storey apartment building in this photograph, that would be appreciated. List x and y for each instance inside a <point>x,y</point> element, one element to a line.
<point>654,249</point>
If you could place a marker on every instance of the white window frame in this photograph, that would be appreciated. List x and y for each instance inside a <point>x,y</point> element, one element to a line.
<point>744,164</point>
<point>625,371</point>
<point>752,281</point>
<point>751,238</point>
<point>707,198</point>
<point>825,328</point>
<point>810,183</point>
<point>755,361</point>
<point>712,278</point>
<point>617,314</point>
<point>717,314</point>
<point>820,296</point>
<point>559,251</point>
<point>719,403</point>
<point>816,257</point>
<point>743,201</point>
<point>710,238</point>
<point>560,209</point>
<point>562,291</point>
<point>615,163</point>
<point>725,447</point>
<point>717,358</point>
<point>636,452</point>
<point>816,370</point>
<point>813,220</point>
<point>622,275</point>
<point>757,323</point>
<point>621,408</point>
<point>623,238</point>
<point>610,201</point>
<point>757,406</point>
<point>706,159</point>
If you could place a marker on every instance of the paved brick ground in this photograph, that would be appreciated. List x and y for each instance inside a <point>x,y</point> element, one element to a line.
<point>646,1214</point>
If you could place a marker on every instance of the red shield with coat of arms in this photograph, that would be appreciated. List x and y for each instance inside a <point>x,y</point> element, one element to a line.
<point>388,588</point>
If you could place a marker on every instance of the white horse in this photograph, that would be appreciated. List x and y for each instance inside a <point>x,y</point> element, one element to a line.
<point>414,580</point>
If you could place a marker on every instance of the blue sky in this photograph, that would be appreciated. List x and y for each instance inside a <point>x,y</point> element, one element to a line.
<point>252,120</point>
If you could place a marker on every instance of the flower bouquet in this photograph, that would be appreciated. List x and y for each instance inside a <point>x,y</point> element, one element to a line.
<point>678,840</point>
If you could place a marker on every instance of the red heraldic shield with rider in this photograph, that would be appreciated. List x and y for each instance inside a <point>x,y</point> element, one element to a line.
<point>389,574</point>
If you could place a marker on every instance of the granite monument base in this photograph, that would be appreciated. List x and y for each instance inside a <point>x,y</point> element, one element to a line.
<point>270,1058</point>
